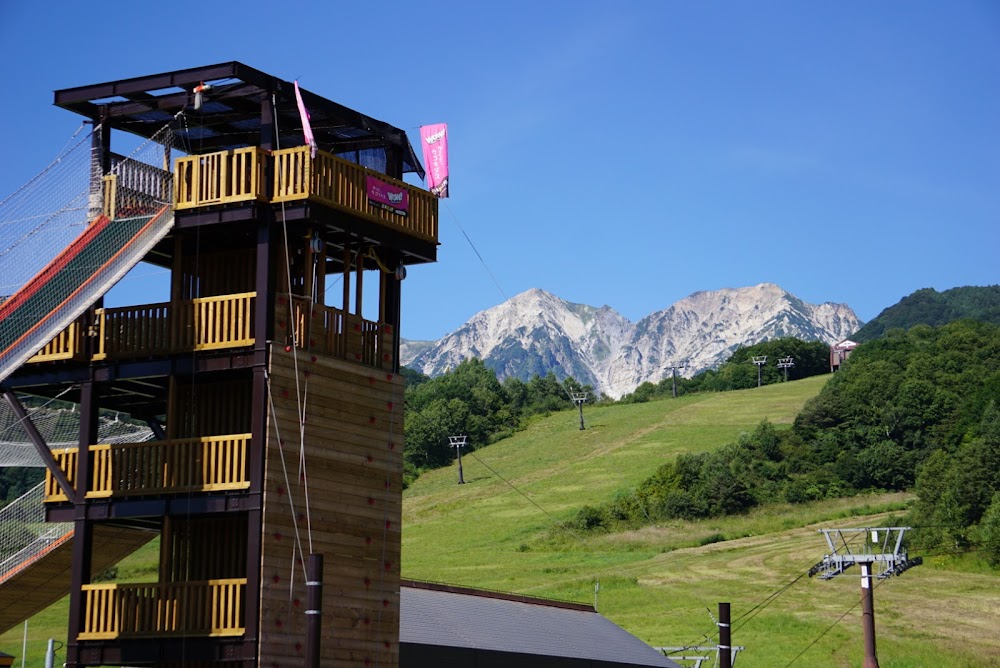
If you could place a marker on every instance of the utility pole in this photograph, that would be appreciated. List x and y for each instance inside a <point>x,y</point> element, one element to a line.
<point>458,442</point>
<point>673,372</point>
<point>760,361</point>
<point>881,555</point>
<point>579,398</point>
<point>786,363</point>
<point>725,640</point>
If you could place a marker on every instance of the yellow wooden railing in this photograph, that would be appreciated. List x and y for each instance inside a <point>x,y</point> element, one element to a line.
<point>65,346</point>
<point>206,323</point>
<point>208,608</point>
<point>110,194</point>
<point>219,178</point>
<point>329,331</point>
<point>341,184</point>
<point>205,464</point>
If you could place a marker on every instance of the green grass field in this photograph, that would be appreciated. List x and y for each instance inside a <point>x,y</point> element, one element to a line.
<point>502,531</point>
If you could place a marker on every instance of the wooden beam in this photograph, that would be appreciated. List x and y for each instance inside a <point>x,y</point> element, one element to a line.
<point>42,447</point>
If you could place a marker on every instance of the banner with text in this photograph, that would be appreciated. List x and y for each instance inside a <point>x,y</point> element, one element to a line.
<point>387,196</point>
<point>434,140</point>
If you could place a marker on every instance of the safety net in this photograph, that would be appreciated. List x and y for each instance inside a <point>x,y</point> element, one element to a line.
<point>71,233</point>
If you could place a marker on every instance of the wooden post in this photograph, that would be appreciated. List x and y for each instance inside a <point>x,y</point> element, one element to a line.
<point>82,528</point>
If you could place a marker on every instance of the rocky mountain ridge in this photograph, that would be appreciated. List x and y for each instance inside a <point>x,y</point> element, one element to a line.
<point>537,332</point>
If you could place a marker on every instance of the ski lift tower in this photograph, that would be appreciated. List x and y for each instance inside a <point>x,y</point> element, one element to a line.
<point>786,363</point>
<point>579,398</point>
<point>760,361</point>
<point>881,555</point>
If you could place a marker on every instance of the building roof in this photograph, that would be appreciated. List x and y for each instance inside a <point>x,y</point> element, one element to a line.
<point>230,116</point>
<point>473,620</point>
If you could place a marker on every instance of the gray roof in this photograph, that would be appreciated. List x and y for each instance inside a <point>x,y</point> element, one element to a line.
<point>476,620</point>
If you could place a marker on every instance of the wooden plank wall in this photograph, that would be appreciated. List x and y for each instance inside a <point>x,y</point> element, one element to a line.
<point>354,448</point>
<point>210,408</point>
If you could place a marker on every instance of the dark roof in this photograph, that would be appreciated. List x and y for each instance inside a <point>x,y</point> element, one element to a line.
<point>230,116</point>
<point>466,621</point>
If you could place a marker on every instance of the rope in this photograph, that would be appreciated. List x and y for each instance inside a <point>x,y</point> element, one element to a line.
<point>284,471</point>
<point>295,357</point>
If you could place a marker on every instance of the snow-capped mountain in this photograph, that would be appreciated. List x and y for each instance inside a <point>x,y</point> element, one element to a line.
<point>536,332</point>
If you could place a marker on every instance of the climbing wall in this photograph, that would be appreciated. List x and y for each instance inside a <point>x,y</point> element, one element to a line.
<point>353,464</point>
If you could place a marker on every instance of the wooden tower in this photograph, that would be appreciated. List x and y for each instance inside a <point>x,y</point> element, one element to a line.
<point>269,378</point>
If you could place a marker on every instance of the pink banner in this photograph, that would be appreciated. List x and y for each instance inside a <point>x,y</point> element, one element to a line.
<point>306,125</point>
<point>387,196</point>
<point>434,140</point>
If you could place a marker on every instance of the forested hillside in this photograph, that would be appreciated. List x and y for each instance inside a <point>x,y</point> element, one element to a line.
<point>915,410</point>
<point>930,307</point>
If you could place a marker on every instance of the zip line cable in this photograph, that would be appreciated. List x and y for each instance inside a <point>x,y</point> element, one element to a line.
<point>476,251</point>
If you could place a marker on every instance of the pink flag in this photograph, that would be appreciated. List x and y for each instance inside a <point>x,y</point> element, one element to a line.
<point>306,127</point>
<point>434,140</point>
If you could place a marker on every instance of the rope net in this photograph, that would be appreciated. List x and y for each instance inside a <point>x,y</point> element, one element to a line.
<point>70,234</point>
<point>24,534</point>
<point>59,427</point>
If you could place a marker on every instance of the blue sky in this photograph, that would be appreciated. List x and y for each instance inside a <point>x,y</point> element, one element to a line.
<point>621,153</point>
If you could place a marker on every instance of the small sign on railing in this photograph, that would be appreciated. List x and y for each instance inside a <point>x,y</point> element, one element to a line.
<point>383,195</point>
